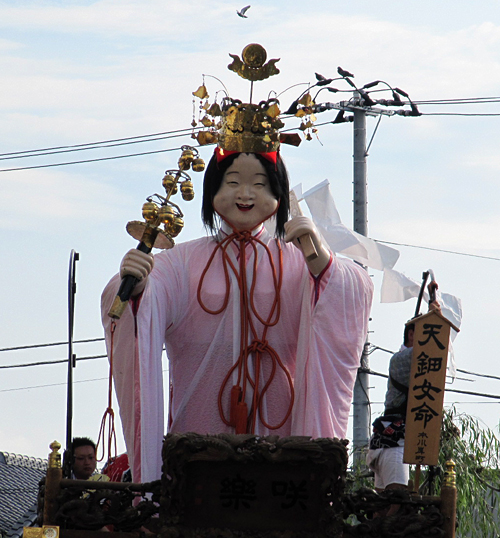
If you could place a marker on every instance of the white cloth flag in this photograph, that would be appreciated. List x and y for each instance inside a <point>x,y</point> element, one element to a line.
<point>340,238</point>
<point>396,287</point>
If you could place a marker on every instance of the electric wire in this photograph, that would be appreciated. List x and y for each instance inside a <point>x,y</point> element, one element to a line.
<point>89,160</point>
<point>488,376</point>
<point>89,147</point>
<point>479,375</point>
<point>437,250</point>
<point>101,142</point>
<point>83,161</point>
<point>371,349</point>
<point>34,346</point>
<point>457,114</point>
<point>60,384</point>
<point>470,393</point>
<point>365,370</point>
<point>53,361</point>
<point>459,101</point>
<point>184,132</point>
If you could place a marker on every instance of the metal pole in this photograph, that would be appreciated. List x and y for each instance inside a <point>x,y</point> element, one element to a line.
<point>361,400</point>
<point>74,257</point>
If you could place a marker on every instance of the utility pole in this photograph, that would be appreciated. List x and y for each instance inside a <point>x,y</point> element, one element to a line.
<point>360,106</point>
<point>361,399</point>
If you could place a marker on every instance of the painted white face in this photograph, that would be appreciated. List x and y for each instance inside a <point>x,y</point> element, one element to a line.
<point>245,197</point>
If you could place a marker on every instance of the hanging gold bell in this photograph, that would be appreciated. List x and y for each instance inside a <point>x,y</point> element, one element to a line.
<point>187,190</point>
<point>198,165</point>
<point>149,211</point>
<point>186,159</point>
<point>174,228</point>
<point>170,184</point>
<point>166,214</point>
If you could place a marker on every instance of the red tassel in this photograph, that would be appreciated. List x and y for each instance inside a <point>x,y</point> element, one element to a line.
<point>235,399</point>
<point>241,417</point>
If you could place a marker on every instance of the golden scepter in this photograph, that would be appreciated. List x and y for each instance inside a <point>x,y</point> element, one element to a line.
<point>158,210</point>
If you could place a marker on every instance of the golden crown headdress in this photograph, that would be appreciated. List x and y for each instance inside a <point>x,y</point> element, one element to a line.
<point>244,127</point>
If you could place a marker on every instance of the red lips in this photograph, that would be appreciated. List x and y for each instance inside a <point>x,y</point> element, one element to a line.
<point>244,207</point>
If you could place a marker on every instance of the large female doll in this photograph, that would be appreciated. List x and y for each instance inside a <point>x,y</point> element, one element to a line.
<point>258,338</point>
<point>276,350</point>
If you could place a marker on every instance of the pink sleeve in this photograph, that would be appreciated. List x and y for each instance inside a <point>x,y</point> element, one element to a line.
<point>321,279</point>
<point>331,339</point>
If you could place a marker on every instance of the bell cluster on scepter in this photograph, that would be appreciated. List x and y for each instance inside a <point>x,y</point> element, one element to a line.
<point>160,209</point>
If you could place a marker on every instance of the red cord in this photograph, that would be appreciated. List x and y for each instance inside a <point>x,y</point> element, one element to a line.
<point>259,346</point>
<point>109,414</point>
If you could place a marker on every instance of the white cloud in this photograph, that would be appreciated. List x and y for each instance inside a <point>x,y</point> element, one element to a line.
<point>7,45</point>
<point>133,18</point>
<point>49,199</point>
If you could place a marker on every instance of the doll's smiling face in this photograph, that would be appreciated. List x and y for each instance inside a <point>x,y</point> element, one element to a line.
<point>245,198</point>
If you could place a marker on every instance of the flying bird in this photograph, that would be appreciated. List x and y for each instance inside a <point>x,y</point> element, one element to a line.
<point>243,11</point>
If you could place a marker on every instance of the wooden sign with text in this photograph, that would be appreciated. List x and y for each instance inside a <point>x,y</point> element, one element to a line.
<point>424,414</point>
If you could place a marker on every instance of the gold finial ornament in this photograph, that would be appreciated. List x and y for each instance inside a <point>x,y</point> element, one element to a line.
<point>54,456</point>
<point>254,55</point>
<point>450,476</point>
<point>252,66</point>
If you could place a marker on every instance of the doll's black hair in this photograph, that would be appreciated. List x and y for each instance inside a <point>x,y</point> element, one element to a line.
<point>278,181</point>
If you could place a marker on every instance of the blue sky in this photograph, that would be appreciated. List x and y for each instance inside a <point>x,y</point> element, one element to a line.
<point>79,72</point>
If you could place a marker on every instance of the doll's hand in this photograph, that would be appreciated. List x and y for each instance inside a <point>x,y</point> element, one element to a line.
<point>138,264</point>
<point>299,226</point>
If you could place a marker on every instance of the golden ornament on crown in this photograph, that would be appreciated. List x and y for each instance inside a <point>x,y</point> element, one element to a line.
<point>238,126</point>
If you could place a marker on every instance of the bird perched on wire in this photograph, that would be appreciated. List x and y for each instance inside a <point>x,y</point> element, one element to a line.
<point>242,12</point>
<point>344,73</point>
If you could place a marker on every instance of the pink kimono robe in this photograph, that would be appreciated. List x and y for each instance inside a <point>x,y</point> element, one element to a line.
<point>319,337</point>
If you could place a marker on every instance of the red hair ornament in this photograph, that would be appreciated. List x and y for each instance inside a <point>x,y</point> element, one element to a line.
<point>221,154</point>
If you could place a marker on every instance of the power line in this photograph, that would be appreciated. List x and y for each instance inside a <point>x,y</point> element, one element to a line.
<point>89,147</point>
<point>459,101</point>
<point>54,384</point>
<point>34,346</point>
<point>479,375</point>
<point>457,114</point>
<point>60,384</point>
<point>489,376</point>
<point>452,403</point>
<point>83,161</point>
<point>184,132</point>
<point>88,160</point>
<point>367,370</point>
<point>95,143</point>
<point>44,363</point>
<point>483,395</point>
<point>437,250</point>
